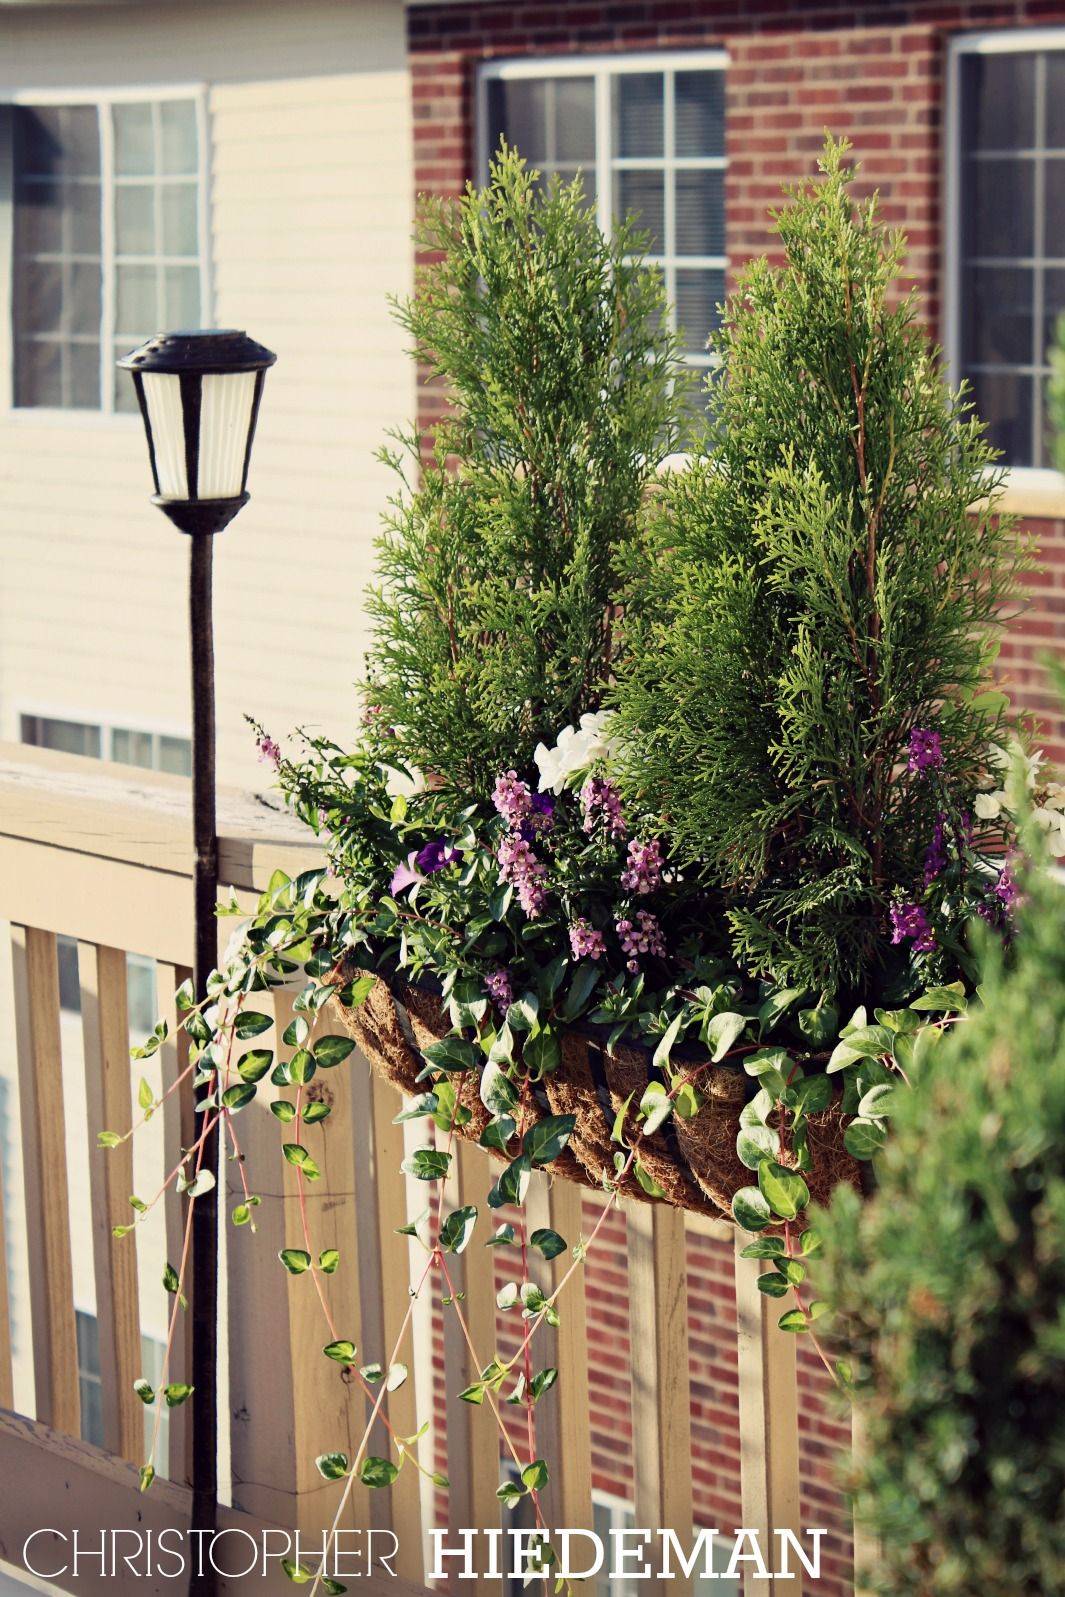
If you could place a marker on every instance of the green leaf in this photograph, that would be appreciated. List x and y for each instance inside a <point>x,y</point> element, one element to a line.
<point>546,1139</point>
<point>297,1155</point>
<point>656,1106</point>
<point>147,1476</point>
<point>457,1229</point>
<point>580,989</point>
<point>177,1393</point>
<point>773,1285</point>
<point>534,1475</point>
<point>498,1132</point>
<point>764,1061</point>
<point>940,1000</point>
<point>503,1238</point>
<point>296,1032</point>
<point>301,1067</point>
<point>542,1382</point>
<point>328,1260</point>
<point>315,1112</point>
<point>171,1283</point>
<point>764,1248</point>
<point>241,1215</point>
<point>249,1023</point>
<point>108,1139</point>
<point>498,1093</point>
<point>341,1351</point>
<point>451,1053</point>
<point>236,1097</point>
<point>542,1052</point>
<point>510,1493</point>
<point>253,1065</point>
<point>332,1466</point>
<point>755,1143</point>
<point>145,1095</point>
<point>512,1185</point>
<point>547,1242</point>
<point>283,1110</point>
<point>332,1051</point>
<point>864,1138</point>
<point>776,1006</point>
<point>665,1046</point>
<point>813,1095</point>
<point>524,1012</point>
<point>784,1190</point>
<point>750,1209</point>
<point>618,1132</point>
<point>792,1320</point>
<point>295,1260</point>
<point>377,1472</point>
<point>647,1180</point>
<point>428,1164</point>
<point>722,1032</point>
<point>145,1391</point>
<point>185,997</point>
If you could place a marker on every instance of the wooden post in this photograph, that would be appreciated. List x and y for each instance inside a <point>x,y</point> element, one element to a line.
<point>44,1157</point>
<point>661,1397</point>
<point>769,1425</point>
<point>866,1544</point>
<point>105,1032</point>
<point>7,1381</point>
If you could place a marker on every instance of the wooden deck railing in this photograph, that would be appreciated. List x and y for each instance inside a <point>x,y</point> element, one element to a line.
<point>101,854</point>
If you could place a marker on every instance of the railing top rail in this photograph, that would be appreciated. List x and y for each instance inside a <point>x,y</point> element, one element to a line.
<point>142,818</point>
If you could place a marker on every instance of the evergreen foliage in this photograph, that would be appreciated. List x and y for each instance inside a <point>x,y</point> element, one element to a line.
<point>815,589</point>
<point>950,1287</point>
<point>495,620</point>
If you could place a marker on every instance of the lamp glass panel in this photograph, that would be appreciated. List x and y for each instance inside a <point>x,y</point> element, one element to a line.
<point>225,418</point>
<point>162,395</point>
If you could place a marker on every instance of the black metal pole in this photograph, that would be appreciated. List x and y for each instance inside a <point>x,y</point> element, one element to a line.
<point>204,1295</point>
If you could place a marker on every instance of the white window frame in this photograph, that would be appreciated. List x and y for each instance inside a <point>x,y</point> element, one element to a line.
<point>103,100</point>
<point>603,69</point>
<point>1032,490</point>
<point>106,727</point>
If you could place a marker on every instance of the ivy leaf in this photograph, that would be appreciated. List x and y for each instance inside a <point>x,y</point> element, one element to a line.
<point>457,1229</point>
<point>328,1260</point>
<point>750,1209</point>
<point>665,1047</point>
<point>784,1190</point>
<point>332,1051</point>
<point>503,1238</point>
<point>792,1320</point>
<point>147,1476</point>
<point>297,1155</point>
<point>764,1247</point>
<point>542,1052</point>
<point>177,1393</point>
<point>253,1065</point>
<point>301,1067</point>
<point>524,1013</point>
<point>377,1472</point>
<point>542,1382</point>
<point>548,1242</point>
<point>546,1139</point>
<point>295,1260</point>
<point>755,1143</point>
<point>236,1097</point>
<point>341,1351</point>
<point>171,1282</point>
<point>249,1023</point>
<point>722,1032</point>
<point>428,1164</point>
<point>145,1391</point>
<point>296,1032</point>
<point>513,1184</point>
<point>283,1110</point>
<point>647,1180</point>
<point>864,1138</point>
<point>656,1106</point>
<point>498,1093</point>
<point>580,989</point>
<point>316,1111</point>
<point>332,1466</point>
<point>773,1285</point>
<point>498,1132</point>
<point>941,1000</point>
<point>451,1053</point>
<point>534,1475</point>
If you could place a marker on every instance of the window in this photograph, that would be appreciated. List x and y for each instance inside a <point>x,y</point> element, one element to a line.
<point>90,1384</point>
<point>646,135</point>
<point>1008,195</point>
<point>107,243</point>
<point>151,751</point>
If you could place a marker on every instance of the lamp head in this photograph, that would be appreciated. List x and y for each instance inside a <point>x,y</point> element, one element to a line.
<point>199,394</point>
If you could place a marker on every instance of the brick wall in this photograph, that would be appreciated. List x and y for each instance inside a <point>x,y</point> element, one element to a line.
<point>875,72</point>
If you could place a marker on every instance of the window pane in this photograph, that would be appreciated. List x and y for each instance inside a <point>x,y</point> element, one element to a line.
<point>134,140</point>
<point>38,373</point>
<point>997,314</point>
<point>574,119</point>
<point>1004,402</point>
<point>700,213</point>
<point>38,219</point>
<point>180,143</point>
<point>517,111</point>
<point>81,208</point>
<point>1053,304</point>
<point>136,304</point>
<point>999,93</point>
<point>181,289</point>
<point>83,293</point>
<point>698,296</point>
<point>57,140</point>
<point>700,113</point>
<point>175,756</point>
<point>69,737</point>
<point>638,113</point>
<point>132,748</point>
<point>180,229</point>
<point>135,219</point>
<point>999,205</point>
<point>642,195</point>
<point>123,394</point>
<point>83,376</point>
<point>1054,201</point>
<point>38,301</point>
<point>1055,100</point>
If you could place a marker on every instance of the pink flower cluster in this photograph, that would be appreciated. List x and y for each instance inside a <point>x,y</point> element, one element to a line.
<point>269,752</point>
<point>520,866</point>
<point>643,873</point>
<point>498,986</point>
<point>586,941</point>
<point>512,798</point>
<point>601,804</point>
<point>643,935</point>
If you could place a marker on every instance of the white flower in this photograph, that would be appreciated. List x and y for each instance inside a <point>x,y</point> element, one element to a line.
<point>235,944</point>
<point>1053,824</point>
<point>988,806</point>
<point>1003,759</point>
<point>576,749</point>
<point>399,785</point>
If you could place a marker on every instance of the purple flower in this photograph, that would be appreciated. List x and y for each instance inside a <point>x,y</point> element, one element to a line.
<point>643,935</point>
<point>406,875</point>
<point>512,798</point>
<point>585,941</point>
<point>269,752</point>
<point>520,866</point>
<point>935,855</point>
<point>1006,890</point>
<point>926,751</point>
<point>436,855</point>
<point>909,920</point>
<point>601,804</point>
<point>500,989</point>
<point>643,873</point>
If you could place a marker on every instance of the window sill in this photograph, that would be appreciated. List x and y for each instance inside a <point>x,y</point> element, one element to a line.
<point>1034,493</point>
<point>33,416</point>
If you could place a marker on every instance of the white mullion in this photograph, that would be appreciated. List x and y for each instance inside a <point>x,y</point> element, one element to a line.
<point>1039,353</point>
<point>669,193</point>
<point>108,285</point>
<point>157,214</point>
<point>604,151</point>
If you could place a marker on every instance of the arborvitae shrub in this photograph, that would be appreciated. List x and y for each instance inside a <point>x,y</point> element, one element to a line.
<point>950,1286</point>
<point>816,588</point>
<point>495,620</point>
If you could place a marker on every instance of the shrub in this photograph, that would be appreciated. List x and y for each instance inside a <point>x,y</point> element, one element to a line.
<point>816,590</point>
<point>495,622</point>
<point>951,1293</point>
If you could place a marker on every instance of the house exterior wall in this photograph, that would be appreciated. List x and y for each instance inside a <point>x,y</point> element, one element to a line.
<point>309,204</point>
<point>875,72</point>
